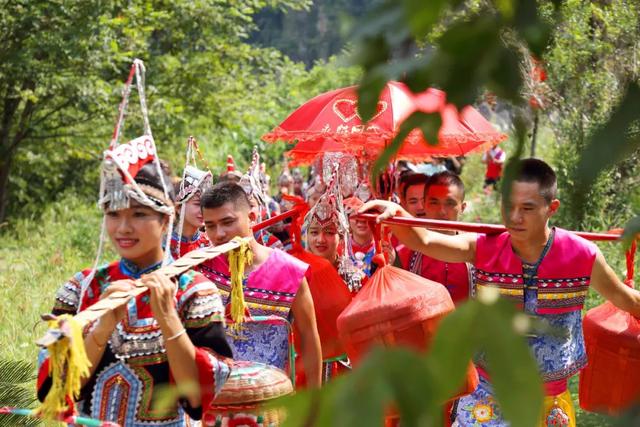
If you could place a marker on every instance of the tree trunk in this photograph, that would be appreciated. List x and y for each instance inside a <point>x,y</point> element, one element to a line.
<point>5,169</point>
<point>534,133</point>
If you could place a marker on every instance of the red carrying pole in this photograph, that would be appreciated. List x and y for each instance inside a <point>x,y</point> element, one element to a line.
<point>276,219</point>
<point>438,225</point>
<point>473,227</point>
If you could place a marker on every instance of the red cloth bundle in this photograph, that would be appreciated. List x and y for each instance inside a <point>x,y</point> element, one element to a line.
<point>396,307</point>
<point>611,381</point>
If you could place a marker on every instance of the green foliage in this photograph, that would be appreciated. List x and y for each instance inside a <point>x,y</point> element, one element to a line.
<point>15,391</point>
<point>590,61</point>
<point>418,385</point>
<point>309,35</point>
<point>62,73</point>
<point>37,255</point>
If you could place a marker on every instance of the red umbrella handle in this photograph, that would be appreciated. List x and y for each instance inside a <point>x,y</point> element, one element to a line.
<point>631,258</point>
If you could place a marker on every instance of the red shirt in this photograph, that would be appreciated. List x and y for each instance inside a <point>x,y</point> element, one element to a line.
<point>455,276</point>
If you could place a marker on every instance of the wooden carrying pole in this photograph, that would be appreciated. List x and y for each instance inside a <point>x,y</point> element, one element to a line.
<point>118,299</point>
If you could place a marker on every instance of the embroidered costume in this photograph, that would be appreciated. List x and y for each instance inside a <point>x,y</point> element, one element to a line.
<point>134,363</point>
<point>362,256</point>
<point>188,244</point>
<point>252,183</point>
<point>268,291</point>
<point>332,209</point>
<point>554,289</point>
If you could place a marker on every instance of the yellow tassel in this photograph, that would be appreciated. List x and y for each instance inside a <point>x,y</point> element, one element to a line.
<point>68,364</point>
<point>238,259</point>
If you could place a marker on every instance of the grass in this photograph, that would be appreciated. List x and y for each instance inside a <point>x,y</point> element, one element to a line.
<point>36,257</point>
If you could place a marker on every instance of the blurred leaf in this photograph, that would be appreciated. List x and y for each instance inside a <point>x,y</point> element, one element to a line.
<point>166,396</point>
<point>369,93</point>
<point>421,15</point>
<point>308,407</point>
<point>612,142</point>
<point>531,28</point>
<point>505,79</point>
<point>415,120</point>
<point>430,126</point>
<point>514,372</point>
<point>631,230</point>
<point>511,169</point>
<point>451,351</point>
<point>387,16</point>
<point>351,407</point>
<point>466,54</point>
<point>414,395</point>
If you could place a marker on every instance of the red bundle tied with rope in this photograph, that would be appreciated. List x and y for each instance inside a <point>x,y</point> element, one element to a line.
<point>611,381</point>
<point>396,308</point>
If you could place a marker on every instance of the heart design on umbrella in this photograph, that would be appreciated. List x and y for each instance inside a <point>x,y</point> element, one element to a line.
<point>347,109</point>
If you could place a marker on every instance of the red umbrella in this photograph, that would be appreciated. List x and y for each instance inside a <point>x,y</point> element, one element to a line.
<point>330,122</point>
<point>334,114</point>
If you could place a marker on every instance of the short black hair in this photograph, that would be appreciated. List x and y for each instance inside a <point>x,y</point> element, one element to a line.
<point>410,179</point>
<point>537,171</point>
<point>148,175</point>
<point>224,192</point>
<point>445,178</point>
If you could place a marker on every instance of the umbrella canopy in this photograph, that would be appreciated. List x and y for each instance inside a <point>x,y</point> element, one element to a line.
<point>335,114</point>
<point>330,122</point>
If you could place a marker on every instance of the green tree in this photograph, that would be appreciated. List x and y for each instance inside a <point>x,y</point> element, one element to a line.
<point>62,67</point>
<point>590,61</point>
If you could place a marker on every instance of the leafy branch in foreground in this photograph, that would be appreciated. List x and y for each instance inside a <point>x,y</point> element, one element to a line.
<point>417,385</point>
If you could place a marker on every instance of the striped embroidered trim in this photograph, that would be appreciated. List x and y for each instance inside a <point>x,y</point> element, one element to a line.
<point>563,295</point>
<point>567,372</point>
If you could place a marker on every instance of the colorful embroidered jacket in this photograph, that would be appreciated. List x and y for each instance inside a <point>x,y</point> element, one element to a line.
<point>268,291</point>
<point>268,239</point>
<point>362,256</point>
<point>455,276</point>
<point>197,241</point>
<point>134,363</point>
<point>555,293</point>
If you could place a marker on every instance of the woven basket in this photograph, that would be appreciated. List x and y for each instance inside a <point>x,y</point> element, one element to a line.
<point>240,402</point>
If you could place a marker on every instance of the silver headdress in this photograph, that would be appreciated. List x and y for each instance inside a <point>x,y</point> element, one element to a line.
<point>251,183</point>
<point>193,182</point>
<point>121,163</point>
<point>330,209</point>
